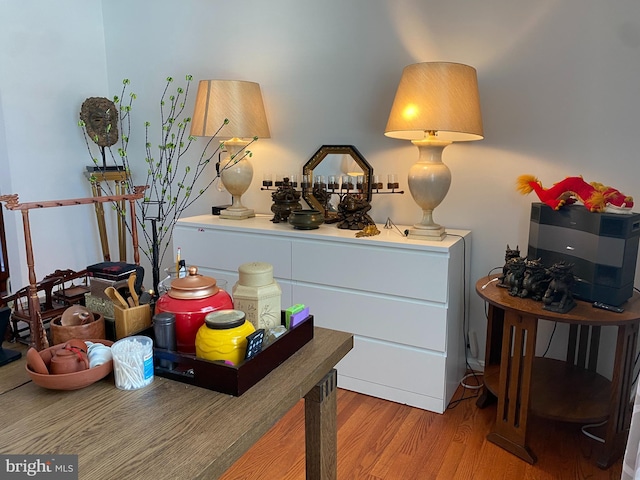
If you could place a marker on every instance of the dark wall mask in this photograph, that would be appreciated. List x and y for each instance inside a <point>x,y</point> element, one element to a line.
<point>100,118</point>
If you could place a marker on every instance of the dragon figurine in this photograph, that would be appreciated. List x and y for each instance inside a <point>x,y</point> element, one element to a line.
<point>596,197</point>
<point>558,297</point>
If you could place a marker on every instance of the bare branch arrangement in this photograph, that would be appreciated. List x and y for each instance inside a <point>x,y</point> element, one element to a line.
<point>171,182</point>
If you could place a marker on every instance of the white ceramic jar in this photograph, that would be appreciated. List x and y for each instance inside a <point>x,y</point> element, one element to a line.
<point>258,295</point>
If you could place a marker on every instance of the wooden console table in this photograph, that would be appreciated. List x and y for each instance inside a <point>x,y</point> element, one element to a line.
<point>170,429</point>
<point>568,390</point>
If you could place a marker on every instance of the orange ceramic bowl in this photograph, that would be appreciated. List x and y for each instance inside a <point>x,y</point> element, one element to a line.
<point>69,381</point>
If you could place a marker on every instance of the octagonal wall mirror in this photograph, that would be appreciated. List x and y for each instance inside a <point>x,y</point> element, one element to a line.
<point>336,161</point>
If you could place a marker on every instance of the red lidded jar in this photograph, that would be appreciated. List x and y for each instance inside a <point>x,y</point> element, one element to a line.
<point>190,299</point>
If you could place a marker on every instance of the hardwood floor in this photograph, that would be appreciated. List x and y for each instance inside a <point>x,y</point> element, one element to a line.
<point>380,440</point>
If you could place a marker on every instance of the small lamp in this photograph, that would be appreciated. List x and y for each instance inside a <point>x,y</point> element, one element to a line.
<point>436,104</point>
<point>241,103</point>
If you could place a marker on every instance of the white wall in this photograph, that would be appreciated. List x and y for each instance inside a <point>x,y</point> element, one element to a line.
<point>558,86</point>
<point>51,58</point>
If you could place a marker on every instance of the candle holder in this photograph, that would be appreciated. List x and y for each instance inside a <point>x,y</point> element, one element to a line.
<point>350,190</point>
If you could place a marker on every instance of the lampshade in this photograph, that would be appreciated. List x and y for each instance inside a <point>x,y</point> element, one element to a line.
<point>236,100</point>
<point>439,97</point>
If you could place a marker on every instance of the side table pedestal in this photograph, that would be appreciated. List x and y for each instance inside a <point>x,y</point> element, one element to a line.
<point>567,390</point>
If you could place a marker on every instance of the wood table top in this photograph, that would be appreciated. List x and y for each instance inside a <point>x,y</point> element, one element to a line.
<point>165,430</point>
<point>583,312</point>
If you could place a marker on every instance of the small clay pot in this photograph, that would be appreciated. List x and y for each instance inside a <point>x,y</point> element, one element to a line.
<point>68,360</point>
<point>63,333</point>
<point>75,315</point>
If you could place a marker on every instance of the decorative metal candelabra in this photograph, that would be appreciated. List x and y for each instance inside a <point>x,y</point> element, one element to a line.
<point>352,208</point>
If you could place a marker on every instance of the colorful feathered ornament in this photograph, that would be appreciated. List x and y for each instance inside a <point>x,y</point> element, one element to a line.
<point>596,197</point>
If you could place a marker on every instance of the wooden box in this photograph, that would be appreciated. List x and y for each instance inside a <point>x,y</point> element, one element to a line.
<point>132,320</point>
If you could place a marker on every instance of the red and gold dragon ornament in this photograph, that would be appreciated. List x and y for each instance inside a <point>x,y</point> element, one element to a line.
<point>596,197</point>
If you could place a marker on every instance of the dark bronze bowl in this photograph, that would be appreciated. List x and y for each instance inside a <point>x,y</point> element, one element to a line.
<point>306,219</point>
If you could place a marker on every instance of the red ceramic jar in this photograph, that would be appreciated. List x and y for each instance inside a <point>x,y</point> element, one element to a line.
<point>190,299</point>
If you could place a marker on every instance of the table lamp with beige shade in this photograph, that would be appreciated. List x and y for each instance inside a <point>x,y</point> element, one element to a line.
<point>436,104</point>
<point>241,103</point>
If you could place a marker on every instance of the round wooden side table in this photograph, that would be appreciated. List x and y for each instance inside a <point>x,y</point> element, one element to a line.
<point>567,390</point>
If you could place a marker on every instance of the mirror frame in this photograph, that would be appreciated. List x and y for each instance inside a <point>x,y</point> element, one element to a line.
<point>317,158</point>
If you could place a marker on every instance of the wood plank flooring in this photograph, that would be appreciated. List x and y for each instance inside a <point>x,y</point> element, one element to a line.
<point>380,440</point>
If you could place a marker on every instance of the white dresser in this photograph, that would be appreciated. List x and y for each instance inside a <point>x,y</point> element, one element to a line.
<point>402,299</point>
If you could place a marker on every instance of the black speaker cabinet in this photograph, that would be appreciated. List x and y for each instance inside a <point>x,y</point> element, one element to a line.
<point>603,248</point>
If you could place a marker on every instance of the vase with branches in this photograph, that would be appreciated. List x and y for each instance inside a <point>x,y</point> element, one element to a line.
<point>172,183</point>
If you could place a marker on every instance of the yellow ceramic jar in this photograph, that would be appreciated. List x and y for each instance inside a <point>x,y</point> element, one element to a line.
<point>223,336</point>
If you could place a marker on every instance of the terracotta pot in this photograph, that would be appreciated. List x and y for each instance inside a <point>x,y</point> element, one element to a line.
<point>68,360</point>
<point>61,333</point>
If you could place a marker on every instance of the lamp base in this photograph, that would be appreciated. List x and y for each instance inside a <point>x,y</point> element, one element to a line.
<point>237,214</point>
<point>429,181</point>
<point>236,177</point>
<point>434,234</point>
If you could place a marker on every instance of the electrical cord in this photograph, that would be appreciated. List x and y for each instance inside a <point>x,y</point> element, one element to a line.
<point>473,373</point>
<point>390,223</point>
<point>486,304</point>
<point>550,338</point>
<point>465,330</point>
<point>591,435</point>
<point>471,387</point>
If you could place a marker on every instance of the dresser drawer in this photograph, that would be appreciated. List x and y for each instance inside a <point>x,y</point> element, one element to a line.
<point>396,366</point>
<point>228,250</point>
<point>385,318</point>
<point>402,272</point>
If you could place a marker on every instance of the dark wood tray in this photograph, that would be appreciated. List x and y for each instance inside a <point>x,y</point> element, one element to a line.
<point>236,379</point>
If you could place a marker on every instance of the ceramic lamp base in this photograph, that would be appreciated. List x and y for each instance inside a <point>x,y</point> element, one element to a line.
<point>436,234</point>
<point>429,181</point>
<point>237,214</point>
